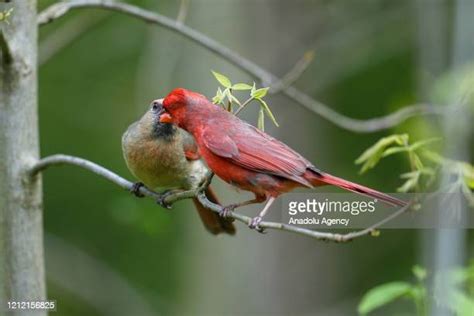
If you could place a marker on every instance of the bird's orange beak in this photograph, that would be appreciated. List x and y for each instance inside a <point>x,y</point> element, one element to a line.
<point>166,118</point>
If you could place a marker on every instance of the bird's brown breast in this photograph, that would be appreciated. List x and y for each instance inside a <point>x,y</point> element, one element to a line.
<point>156,162</point>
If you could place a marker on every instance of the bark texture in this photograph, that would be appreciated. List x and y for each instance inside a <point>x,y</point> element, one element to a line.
<point>21,222</point>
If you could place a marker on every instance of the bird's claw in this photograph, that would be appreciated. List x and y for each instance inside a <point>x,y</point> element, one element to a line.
<point>161,200</point>
<point>226,211</point>
<point>254,224</point>
<point>135,189</point>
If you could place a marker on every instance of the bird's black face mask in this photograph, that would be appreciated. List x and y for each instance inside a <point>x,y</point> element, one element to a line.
<point>161,130</point>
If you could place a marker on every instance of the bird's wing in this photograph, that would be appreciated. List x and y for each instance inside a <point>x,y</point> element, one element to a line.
<point>189,146</point>
<point>253,149</point>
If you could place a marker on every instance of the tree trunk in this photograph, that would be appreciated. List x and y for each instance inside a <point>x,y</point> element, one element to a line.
<point>21,222</point>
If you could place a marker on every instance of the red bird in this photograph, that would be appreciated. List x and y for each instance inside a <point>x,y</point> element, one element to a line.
<point>246,157</point>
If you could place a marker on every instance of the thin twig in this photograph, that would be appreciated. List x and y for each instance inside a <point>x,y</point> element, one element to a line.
<point>59,9</point>
<point>374,227</point>
<point>57,160</point>
<point>243,106</point>
<point>183,11</point>
<point>294,73</point>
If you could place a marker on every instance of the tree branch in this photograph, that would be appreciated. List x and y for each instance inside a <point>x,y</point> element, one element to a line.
<point>57,10</point>
<point>57,160</point>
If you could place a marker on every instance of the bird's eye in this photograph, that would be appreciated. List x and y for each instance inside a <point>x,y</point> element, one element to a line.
<point>155,106</point>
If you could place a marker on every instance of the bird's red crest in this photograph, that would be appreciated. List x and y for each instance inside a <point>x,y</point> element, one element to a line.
<point>174,98</point>
<point>180,96</point>
<point>179,102</point>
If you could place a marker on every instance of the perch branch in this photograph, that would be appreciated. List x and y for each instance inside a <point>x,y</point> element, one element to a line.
<point>57,160</point>
<point>59,9</point>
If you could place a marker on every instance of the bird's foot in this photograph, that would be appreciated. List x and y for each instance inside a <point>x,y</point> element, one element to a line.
<point>226,211</point>
<point>161,200</point>
<point>135,189</point>
<point>254,224</point>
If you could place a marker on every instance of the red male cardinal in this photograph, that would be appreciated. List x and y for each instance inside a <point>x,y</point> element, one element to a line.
<point>162,155</point>
<point>246,157</point>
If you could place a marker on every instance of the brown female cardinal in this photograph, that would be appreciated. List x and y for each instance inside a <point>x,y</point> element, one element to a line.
<point>245,156</point>
<point>163,155</point>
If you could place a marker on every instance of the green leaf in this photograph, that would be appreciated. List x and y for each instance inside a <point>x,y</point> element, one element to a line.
<point>462,304</point>
<point>469,182</point>
<point>422,143</point>
<point>434,157</point>
<point>382,295</point>
<point>241,86</point>
<point>231,97</point>
<point>411,183</point>
<point>410,174</point>
<point>269,113</point>
<point>419,272</point>
<point>254,88</point>
<point>468,174</point>
<point>427,171</point>
<point>393,150</point>
<point>219,97</point>
<point>259,93</point>
<point>381,145</point>
<point>417,293</point>
<point>375,233</point>
<point>460,275</point>
<point>223,80</point>
<point>467,194</point>
<point>454,166</point>
<point>372,155</point>
<point>370,162</point>
<point>261,120</point>
<point>417,160</point>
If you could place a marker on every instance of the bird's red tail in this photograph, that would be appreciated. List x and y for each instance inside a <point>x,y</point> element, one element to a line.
<point>325,178</point>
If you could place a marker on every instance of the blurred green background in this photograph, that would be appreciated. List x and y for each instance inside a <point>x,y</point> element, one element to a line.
<point>108,253</point>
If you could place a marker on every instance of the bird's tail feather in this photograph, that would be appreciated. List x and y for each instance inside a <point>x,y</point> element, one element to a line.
<point>321,177</point>
<point>214,223</point>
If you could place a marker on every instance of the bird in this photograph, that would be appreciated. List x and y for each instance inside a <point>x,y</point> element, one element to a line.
<point>246,157</point>
<point>161,155</point>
